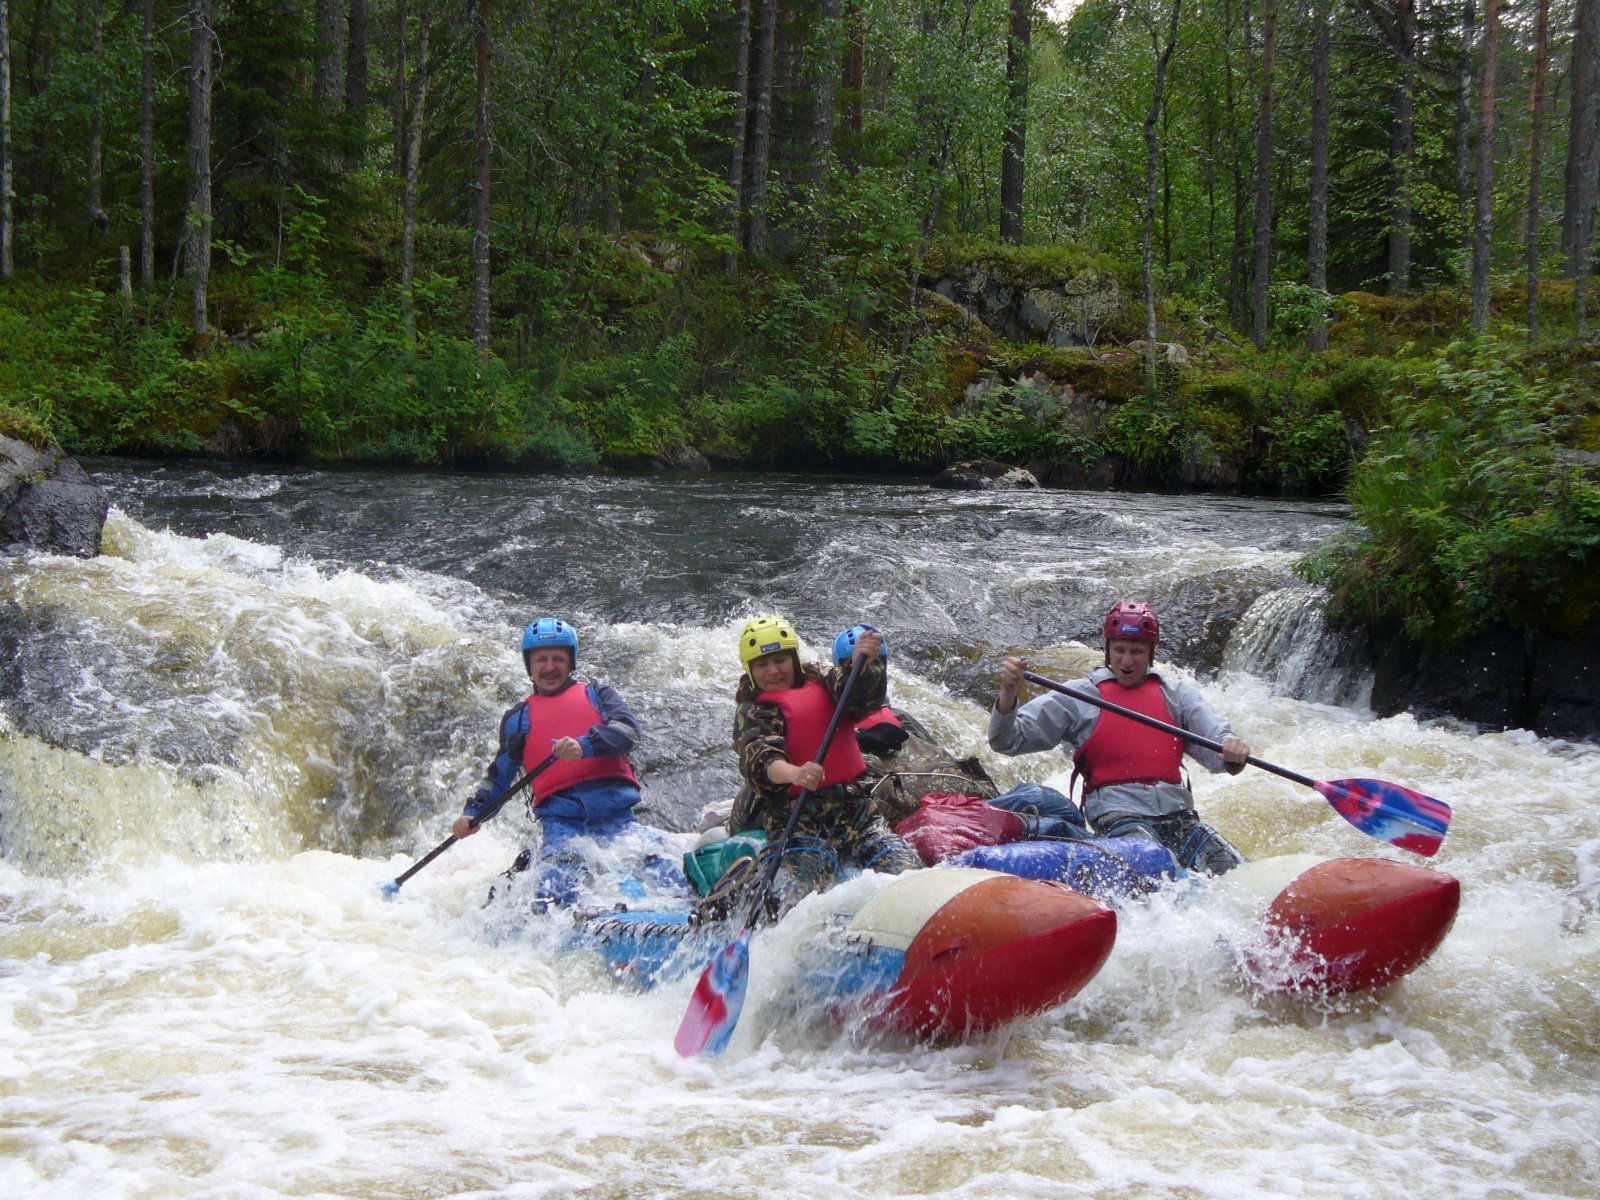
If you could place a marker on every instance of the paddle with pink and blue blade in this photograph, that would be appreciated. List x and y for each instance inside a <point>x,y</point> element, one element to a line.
<point>1380,809</point>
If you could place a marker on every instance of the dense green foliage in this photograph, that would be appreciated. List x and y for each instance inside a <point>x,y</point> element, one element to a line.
<point>1473,513</point>
<point>845,300</point>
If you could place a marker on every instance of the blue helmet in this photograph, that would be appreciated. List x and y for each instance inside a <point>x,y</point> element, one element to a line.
<point>549,631</point>
<point>845,644</point>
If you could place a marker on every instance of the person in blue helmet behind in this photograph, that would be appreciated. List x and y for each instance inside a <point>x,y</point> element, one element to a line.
<point>589,790</point>
<point>881,731</point>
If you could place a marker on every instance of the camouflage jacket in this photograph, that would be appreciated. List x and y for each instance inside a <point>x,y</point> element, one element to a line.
<point>760,739</point>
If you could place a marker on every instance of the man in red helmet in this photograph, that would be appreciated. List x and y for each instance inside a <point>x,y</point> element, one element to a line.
<point>1133,776</point>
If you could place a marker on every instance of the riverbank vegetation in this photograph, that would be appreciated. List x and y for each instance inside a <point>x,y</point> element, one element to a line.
<point>1265,247</point>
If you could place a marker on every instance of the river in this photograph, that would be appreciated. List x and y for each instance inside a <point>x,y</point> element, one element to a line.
<point>274,688</point>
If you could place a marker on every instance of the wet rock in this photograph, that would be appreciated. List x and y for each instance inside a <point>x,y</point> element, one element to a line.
<point>47,502</point>
<point>1501,678</point>
<point>684,458</point>
<point>983,476</point>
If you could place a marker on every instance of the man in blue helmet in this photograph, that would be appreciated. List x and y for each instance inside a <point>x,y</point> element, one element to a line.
<point>590,788</point>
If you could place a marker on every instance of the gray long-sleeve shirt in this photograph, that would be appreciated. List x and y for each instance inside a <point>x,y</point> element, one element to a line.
<point>1056,720</point>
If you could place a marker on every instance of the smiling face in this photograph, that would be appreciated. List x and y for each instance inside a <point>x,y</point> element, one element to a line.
<point>773,672</point>
<point>549,667</point>
<point>1129,660</point>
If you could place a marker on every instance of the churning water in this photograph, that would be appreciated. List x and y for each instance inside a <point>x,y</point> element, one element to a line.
<point>275,687</point>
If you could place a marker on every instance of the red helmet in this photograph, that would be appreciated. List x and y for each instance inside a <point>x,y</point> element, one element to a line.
<point>1135,621</point>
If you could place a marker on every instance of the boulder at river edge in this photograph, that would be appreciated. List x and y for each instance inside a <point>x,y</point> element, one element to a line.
<point>47,502</point>
<point>982,475</point>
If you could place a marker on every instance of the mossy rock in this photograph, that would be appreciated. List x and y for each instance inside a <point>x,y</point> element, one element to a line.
<point>1019,266</point>
<point>1115,376</point>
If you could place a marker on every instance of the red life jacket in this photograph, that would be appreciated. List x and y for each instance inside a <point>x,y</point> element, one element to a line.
<point>884,716</point>
<point>807,709</point>
<point>569,713</point>
<point>1122,751</point>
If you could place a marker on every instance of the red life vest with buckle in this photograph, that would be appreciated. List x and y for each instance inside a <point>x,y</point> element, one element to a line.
<point>807,709</point>
<point>1122,751</point>
<point>569,713</point>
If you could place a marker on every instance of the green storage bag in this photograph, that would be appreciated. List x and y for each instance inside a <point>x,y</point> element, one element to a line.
<point>704,865</point>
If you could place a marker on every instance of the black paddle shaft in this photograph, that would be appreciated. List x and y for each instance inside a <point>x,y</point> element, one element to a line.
<point>483,815</point>
<point>1176,731</point>
<point>800,801</point>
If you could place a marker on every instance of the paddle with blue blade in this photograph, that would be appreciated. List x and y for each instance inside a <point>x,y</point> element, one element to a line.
<point>1386,811</point>
<point>718,997</point>
<point>483,814</point>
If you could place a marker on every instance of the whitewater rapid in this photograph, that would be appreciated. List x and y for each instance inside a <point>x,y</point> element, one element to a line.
<point>222,736</point>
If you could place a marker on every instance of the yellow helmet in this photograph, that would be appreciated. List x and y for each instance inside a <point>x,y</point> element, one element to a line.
<point>765,635</point>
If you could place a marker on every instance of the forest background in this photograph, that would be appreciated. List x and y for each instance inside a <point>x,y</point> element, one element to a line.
<point>1288,247</point>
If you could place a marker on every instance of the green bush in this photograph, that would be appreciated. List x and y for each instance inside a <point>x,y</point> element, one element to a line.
<point>1470,515</point>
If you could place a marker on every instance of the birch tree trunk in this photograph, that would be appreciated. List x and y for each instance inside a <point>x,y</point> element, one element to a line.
<point>1014,137</point>
<point>97,155</point>
<point>1317,251</point>
<point>741,117</point>
<point>199,220</point>
<point>1483,218</point>
<point>761,139</point>
<point>1541,58</point>
<point>1261,267</point>
<point>480,238</point>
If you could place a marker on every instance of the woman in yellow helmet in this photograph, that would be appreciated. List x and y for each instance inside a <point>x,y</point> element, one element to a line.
<point>783,709</point>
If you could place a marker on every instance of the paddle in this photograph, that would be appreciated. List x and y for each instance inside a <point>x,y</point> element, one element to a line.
<point>718,997</point>
<point>488,810</point>
<point>1386,811</point>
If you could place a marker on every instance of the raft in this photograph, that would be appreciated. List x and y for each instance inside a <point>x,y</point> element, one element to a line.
<point>1330,927</point>
<point>937,954</point>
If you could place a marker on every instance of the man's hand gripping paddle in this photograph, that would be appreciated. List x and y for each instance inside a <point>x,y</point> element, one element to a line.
<point>718,997</point>
<point>1380,809</point>
<point>394,885</point>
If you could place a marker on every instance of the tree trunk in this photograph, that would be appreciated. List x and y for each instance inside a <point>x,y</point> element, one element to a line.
<point>8,264</point>
<point>355,70</point>
<point>1541,58</point>
<point>1583,127</point>
<point>1399,28</point>
<point>1317,253</point>
<point>480,238</point>
<point>97,157</point>
<point>741,117</point>
<point>761,139</point>
<point>1236,305</point>
<point>1483,217</point>
<point>1151,149</point>
<point>1261,268</point>
<point>325,70</point>
<point>147,147</point>
<point>1014,137</point>
<point>199,233</point>
<point>1464,176</point>
<point>413,161</point>
<point>400,135</point>
<point>824,91</point>
<point>1583,155</point>
<point>855,67</point>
